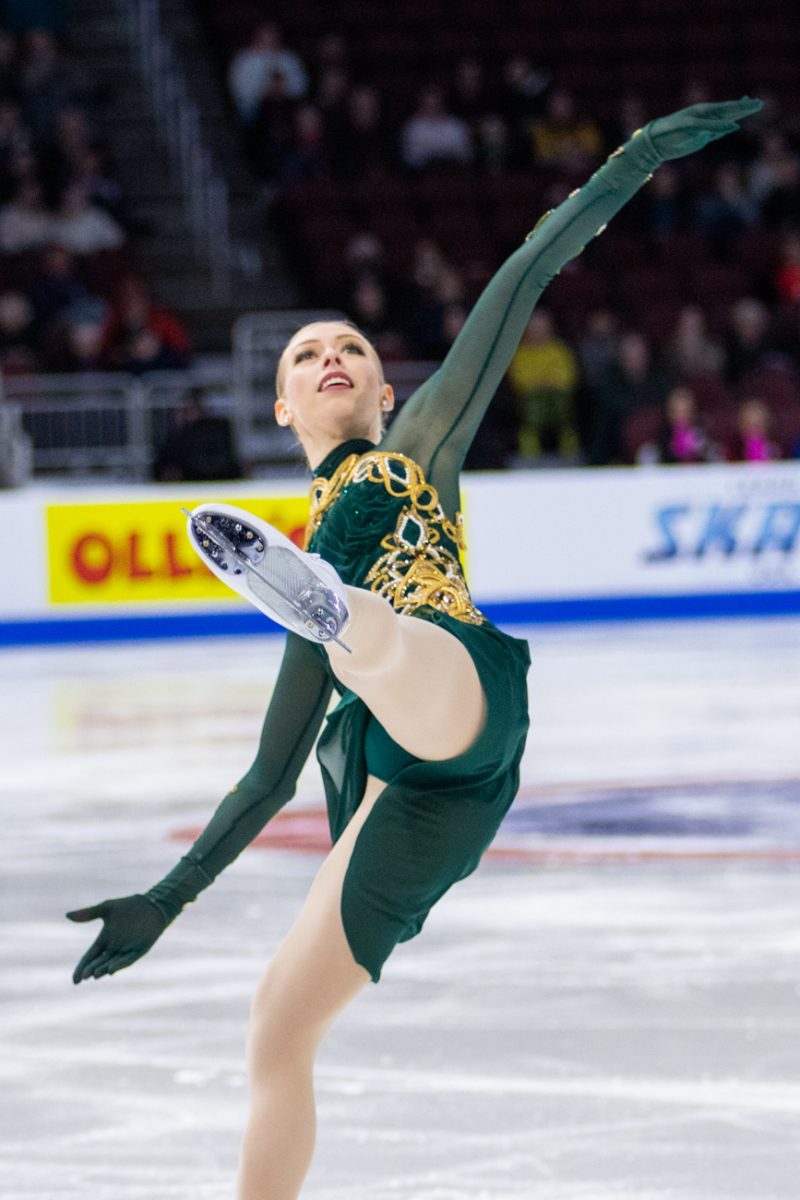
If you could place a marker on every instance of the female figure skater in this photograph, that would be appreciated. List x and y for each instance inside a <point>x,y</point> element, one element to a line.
<point>420,758</point>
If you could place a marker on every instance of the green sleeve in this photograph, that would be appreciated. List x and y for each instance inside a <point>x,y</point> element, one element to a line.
<point>295,713</point>
<point>437,424</point>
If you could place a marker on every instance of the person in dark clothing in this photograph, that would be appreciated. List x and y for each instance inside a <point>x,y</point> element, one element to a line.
<point>632,382</point>
<point>200,447</point>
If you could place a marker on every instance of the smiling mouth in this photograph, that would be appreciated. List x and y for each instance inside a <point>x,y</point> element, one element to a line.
<point>335,382</point>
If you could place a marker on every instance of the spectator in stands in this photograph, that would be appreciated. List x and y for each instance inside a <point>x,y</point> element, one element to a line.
<point>71,140</point>
<point>428,328</point>
<point>767,169</point>
<point>23,167</point>
<point>633,381</point>
<point>723,210</point>
<point>200,446</point>
<point>437,287</point>
<point>752,442</point>
<point>696,91</point>
<point>83,227</point>
<point>787,336</point>
<point>361,143</point>
<point>562,137</point>
<point>9,66</point>
<point>308,156</point>
<point>363,255</point>
<point>15,136</point>
<point>494,151</point>
<point>434,136</point>
<point>48,83</point>
<point>333,50</point>
<point>683,438</point>
<point>429,264</point>
<point>17,334</point>
<point>543,376</point>
<point>692,350</point>
<point>253,70</point>
<point>90,172</point>
<point>372,310</point>
<point>146,351</point>
<point>82,345</point>
<point>522,89</point>
<point>787,273</point>
<point>271,135</point>
<point>470,98</point>
<point>781,204</point>
<point>57,285</point>
<point>369,305</point>
<point>140,335</point>
<point>664,205</point>
<point>330,97</point>
<point>748,342</point>
<point>631,114</point>
<point>26,223</point>
<point>598,345</point>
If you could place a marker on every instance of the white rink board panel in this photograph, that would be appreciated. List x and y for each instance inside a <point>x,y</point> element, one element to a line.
<point>572,538</point>
<point>654,531</point>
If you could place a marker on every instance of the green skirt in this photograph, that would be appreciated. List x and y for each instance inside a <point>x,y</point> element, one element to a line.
<point>433,821</point>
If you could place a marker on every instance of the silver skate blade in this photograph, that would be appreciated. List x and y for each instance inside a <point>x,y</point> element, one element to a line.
<point>220,540</point>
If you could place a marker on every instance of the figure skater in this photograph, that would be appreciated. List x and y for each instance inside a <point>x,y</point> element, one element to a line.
<point>420,757</point>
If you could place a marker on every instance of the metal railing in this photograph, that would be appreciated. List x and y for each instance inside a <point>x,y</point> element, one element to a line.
<point>113,424</point>
<point>204,189</point>
<point>16,450</point>
<point>105,423</point>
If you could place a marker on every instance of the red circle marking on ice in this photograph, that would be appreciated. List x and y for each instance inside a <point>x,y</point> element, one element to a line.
<point>306,832</point>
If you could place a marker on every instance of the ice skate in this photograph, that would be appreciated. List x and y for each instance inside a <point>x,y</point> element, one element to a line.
<point>296,589</point>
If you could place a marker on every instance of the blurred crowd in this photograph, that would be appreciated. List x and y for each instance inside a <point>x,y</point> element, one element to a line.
<point>642,376</point>
<point>70,297</point>
<point>673,338</point>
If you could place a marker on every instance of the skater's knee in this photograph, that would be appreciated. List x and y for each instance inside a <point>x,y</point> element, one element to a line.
<point>280,1040</point>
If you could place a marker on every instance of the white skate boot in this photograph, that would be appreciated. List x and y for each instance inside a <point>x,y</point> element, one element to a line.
<point>298,590</point>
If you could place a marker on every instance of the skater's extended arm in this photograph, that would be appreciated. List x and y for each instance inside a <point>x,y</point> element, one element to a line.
<point>133,923</point>
<point>437,424</point>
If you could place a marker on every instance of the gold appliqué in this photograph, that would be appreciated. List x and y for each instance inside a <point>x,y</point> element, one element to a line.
<point>415,569</point>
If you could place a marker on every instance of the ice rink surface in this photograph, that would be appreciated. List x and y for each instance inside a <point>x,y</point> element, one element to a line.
<point>606,1010</point>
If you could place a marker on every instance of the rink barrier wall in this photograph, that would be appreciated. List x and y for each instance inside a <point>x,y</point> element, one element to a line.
<point>99,564</point>
<point>554,612</point>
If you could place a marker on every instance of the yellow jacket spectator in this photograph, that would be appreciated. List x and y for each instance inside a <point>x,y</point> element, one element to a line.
<point>563,137</point>
<point>544,375</point>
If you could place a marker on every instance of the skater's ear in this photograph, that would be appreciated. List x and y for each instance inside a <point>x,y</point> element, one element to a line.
<point>282,414</point>
<point>387,403</point>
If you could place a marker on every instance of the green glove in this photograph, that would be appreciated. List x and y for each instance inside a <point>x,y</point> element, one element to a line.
<point>690,129</point>
<point>131,925</point>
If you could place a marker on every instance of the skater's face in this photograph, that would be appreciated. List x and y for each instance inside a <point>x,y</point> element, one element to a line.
<point>330,387</point>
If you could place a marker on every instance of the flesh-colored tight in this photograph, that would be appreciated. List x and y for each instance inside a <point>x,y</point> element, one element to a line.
<point>422,685</point>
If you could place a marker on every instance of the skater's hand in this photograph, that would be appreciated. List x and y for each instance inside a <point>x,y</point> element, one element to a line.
<point>690,129</point>
<point>131,925</point>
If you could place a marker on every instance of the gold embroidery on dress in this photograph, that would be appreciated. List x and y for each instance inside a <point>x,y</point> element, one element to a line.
<point>324,492</point>
<point>415,569</point>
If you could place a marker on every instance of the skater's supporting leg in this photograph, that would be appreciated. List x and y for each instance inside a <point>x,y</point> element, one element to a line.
<point>311,979</point>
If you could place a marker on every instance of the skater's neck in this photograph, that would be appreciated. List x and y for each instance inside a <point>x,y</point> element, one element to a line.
<point>338,452</point>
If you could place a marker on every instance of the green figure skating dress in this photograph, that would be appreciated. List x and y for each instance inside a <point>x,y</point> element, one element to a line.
<point>387,519</point>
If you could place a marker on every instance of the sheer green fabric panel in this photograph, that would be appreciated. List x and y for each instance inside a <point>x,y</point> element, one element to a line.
<point>293,719</point>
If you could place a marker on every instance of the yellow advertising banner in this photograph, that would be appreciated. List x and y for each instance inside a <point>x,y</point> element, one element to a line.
<point>129,551</point>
